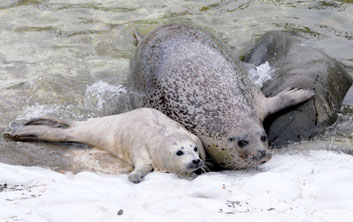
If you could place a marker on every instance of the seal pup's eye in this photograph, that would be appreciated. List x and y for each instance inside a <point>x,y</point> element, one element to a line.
<point>195,149</point>
<point>179,153</point>
<point>263,138</point>
<point>242,143</point>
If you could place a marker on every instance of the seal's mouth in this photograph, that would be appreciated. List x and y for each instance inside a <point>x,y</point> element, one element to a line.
<point>264,159</point>
<point>261,157</point>
<point>248,161</point>
<point>258,160</point>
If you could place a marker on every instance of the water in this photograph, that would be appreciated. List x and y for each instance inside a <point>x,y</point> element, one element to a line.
<point>260,74</point>
<point>70,57</point>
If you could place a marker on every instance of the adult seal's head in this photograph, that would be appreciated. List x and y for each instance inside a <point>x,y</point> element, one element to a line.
<point>193,77</point>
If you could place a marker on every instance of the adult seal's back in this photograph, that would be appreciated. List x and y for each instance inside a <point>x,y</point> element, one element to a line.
<point>193,77</point>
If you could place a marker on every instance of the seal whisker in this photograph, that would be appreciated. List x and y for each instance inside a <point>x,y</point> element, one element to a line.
<point>208,163</point>
<point>205,169</point>
<point>178,170</point>
<point>181,171</point>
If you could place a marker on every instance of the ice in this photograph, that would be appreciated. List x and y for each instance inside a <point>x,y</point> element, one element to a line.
<point>306,186</point>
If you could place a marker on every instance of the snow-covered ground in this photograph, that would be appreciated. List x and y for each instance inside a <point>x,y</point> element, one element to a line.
<point>303,186</point>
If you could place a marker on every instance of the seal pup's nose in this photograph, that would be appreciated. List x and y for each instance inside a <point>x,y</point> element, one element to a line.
<point>196,161</point>
<point>195,164</point>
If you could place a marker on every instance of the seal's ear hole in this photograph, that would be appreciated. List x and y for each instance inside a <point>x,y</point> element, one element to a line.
<point>242,143</point>
<point>263,138</point>
<point>230,139</point>
<point>195,149</point>
<point>179,153</point>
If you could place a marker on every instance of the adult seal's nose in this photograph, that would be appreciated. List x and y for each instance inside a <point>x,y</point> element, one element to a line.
<point>263,156</point>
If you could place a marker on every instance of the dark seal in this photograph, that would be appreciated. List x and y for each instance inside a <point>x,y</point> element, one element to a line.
<point>297,64</point>
<point>193,77</point>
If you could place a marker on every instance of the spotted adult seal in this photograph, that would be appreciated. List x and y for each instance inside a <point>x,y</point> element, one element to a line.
<point>145,138</point>
<point>193,77</point>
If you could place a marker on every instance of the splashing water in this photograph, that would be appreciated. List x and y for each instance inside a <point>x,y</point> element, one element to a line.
<point>103,97</point>
<point>260,74</point>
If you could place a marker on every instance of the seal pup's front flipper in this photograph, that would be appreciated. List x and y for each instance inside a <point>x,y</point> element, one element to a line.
<point>286,98</point>
<point>142,164</point>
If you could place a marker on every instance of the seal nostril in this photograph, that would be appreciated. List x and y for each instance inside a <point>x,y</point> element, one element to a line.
<point>196,161</point>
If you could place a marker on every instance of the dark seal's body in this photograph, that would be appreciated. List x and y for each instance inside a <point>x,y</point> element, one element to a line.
<point>193,78</point>
<point>297,64</point>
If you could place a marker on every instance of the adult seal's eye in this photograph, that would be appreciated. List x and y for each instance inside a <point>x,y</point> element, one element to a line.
<point>242,143</point>
<point>179,153</point>
<point>195,149</point>
<point>263,138</point>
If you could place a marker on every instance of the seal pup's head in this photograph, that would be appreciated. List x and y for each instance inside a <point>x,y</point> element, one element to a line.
<point>244,146</point>
<point>183,156</point>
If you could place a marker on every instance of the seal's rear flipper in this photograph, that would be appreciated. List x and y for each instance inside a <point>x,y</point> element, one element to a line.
<point>286,98</point>
<point>14,125</point>
<point>51,121</point>
<point>29,133</point>
<point>47,128</point>
<point>20,137</point>
<point>13,133</point>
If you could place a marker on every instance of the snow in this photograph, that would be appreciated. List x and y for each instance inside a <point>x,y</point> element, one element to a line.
<point>301,186</point>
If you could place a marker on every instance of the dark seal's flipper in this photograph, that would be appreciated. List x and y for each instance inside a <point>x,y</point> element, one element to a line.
<point>294,63</point>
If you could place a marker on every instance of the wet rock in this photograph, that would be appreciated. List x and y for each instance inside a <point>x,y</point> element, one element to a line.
<point>120,212</point>
<point>63,158</point>
<point>296,64</point>
<point>76,97</point>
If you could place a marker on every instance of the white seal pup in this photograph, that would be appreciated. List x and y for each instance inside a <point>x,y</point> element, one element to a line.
<point>145,138</point>
<point>193,77</point>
